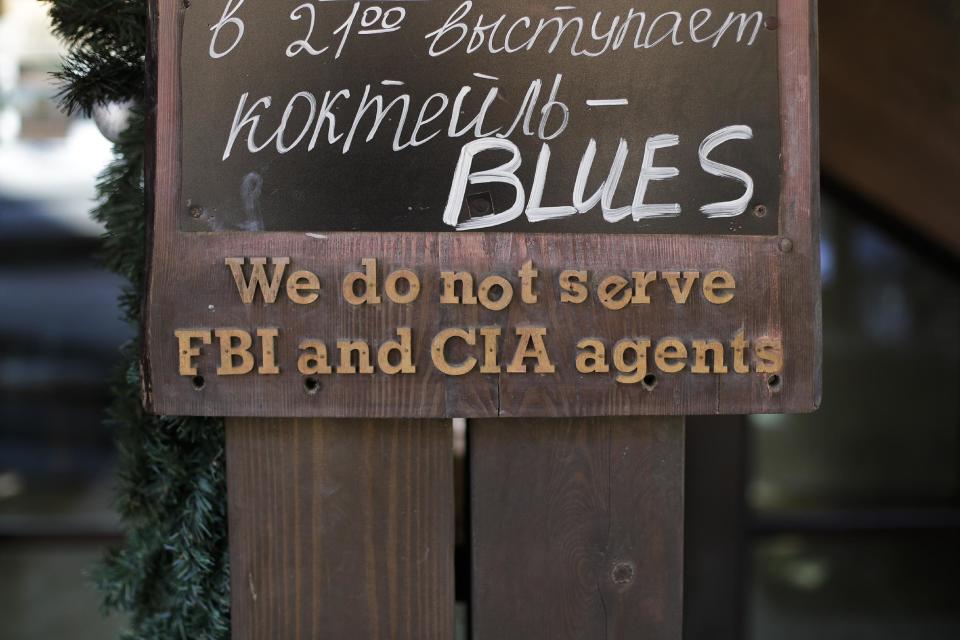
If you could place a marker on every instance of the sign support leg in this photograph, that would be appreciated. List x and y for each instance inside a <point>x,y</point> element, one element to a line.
<point>577,528</point>
<point>341,529</point>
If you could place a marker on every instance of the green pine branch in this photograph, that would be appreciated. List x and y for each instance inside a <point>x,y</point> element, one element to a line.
<point>172,574</point>
<point>79,22</point>
<point>106,42</point>
<point>89,77</point>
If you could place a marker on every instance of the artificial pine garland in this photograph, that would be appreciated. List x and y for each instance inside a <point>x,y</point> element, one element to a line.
<point>172,574</point>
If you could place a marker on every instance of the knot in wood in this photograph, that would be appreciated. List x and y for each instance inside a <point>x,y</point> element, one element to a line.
<point>623,573</point>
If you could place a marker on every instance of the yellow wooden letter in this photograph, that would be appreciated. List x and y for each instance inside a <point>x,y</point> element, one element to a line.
<point>438,352</point>
<point>608,291</point>
<point>641,280</point>
<point>491,336</point>
<point>717,287</point>
<point>681,295</point>
<point>347,349</point>
<point>268,350</point>
<point>313,359</point>
<point>531,345</point>
<point>572,282</point>
<point>450,280</point>
<point>413,287</point>
<point>740,345</point>
<point>631,372</point>
<point>770,352</point>
<point>368,278</point>
<point>669,351</point>
<point>404,347</point>
<point>235,345</point>
<point>594,360</point>
<point>700,349</point>
<point>527,275</point>
<point>268,287</point>
<point>506,295</point>
<point>300,282</point>
<point>187,351</point>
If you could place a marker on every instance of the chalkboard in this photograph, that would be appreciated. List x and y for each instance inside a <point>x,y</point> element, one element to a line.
<point>324,115</point>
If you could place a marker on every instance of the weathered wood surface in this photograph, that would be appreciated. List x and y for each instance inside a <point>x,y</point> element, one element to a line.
<point>577,528</point>
<point>341,529</point>
<point>777,278</point>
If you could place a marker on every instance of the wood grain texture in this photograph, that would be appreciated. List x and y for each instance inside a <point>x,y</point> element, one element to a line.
<point>778,295</point>
<point>577,528</point>
<point>341,529</point>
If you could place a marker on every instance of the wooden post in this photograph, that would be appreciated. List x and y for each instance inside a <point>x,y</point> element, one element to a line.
<point>577,528</point>
<point>341,529</point>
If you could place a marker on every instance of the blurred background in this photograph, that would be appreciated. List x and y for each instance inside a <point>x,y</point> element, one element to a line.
<point>59,335</point>
<point>843,524</point>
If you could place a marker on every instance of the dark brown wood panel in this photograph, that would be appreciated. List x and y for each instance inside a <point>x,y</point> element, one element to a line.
<point>341,529</point>
<point>777,285</point>
<point>577,528</point>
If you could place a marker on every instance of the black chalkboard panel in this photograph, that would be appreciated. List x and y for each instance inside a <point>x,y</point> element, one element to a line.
<point>276,137</point>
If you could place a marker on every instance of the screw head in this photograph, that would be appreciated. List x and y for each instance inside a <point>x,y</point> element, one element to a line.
<point>480,204</point>
<point>760,210</point>
<point>196,211</point>
<point>786,245</point>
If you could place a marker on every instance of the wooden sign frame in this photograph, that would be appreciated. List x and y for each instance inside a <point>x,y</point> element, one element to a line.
<point>777,283</point>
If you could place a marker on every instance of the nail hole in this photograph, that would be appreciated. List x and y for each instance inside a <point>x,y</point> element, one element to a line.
<point>312,385</point>
<point>199,383</point>
<point>650,382</point>
<point>760,210</point>
<point>775,383</point>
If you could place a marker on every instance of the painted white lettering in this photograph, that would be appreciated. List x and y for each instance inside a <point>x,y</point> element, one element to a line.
<point>312,102</point>
<point>536,212</point>
<point>228,17</point>
<point>246,118</point>
<point>505,173</point>
<point>736,207</point>
<point>650,173</point>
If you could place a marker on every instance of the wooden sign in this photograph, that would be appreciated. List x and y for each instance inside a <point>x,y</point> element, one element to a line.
<point>488,208</point>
